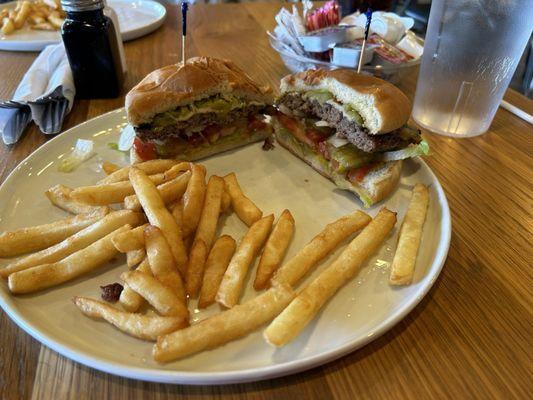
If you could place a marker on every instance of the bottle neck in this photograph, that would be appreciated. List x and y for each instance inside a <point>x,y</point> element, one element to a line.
<point>92,15</point>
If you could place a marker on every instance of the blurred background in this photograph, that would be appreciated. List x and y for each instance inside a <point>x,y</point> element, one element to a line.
<point>418,10</point>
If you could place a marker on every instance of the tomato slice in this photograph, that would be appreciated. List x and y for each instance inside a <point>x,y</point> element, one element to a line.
<point>146,151</point>
<point>358,174</point>
<point>316,136</point>
<point>295,128</point>
<point>256,124</point>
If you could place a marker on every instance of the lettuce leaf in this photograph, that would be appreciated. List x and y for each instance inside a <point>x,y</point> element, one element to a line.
<point>414,150</point>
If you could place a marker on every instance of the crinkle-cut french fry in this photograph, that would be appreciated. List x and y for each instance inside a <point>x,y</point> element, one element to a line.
<point>245,208</point>
<point>47,275</point>
<point>76,242</point>
<point>158,215</point>
<point>215,267</point>
<point>193,199</point>
<point>170,191</point>
<point>231,286</point>
<point>320,246</point>
<point>403,264</point>
<point>26,240</point>
<point>149,167</point>
<point>287,325</point>
<point>224,327</point>
<point>59,196</point>
<point>137,325</point>
<point>161,297</point>
<point>275,248</point>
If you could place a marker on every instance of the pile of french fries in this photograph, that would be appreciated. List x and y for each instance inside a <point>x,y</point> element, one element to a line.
<point>44,15</point>
<point>167,226</point>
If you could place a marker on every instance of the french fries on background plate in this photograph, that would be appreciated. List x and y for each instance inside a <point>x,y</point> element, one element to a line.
<point>45,15</point>
<point>171,233</point>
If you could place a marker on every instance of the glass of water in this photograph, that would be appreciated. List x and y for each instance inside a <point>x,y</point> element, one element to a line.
<point>471,51</point>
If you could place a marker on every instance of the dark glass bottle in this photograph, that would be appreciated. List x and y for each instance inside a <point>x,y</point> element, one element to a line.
<point>92,49</point>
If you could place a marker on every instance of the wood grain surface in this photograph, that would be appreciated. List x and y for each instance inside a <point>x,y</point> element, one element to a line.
<point>471,336</point>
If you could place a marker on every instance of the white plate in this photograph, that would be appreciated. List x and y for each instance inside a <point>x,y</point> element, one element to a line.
<point>135,17</point>
<point>359,313</point>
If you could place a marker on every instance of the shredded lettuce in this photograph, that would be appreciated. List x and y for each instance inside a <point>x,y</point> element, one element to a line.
<point>83,150</point>
<point>420,149</point>
<point>113,145</point>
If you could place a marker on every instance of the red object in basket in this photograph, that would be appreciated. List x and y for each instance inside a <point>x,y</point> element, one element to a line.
<point>327,15</point>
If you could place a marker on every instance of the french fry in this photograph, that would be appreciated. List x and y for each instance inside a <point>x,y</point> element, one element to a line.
<point>149,167</point>
<point>292,320</point>
<point>177,212</point>
<point>56,21</point>
<point>205,234</point>
<point>26,240</point>
<point>193,199</point>
<point>8,26</point>
<point>129,299</point>
<point>135,257</point>
<point>130,240</point>
<point>76,242</point>
<point>161,297</point>
<point>275,249</point>
<point>59,196</point>
<point>159,216</point>
<point>225,326</point>
<point>78,263</point>
<point>230,288</point>
<point>51,3</point>
<point>109,167</point>
<point>137,325</point>
<point>99,195</point>
<point>225,203</point>
<point>195,269</point>
<point>215,267</point>
<point>43,26</point>
<point>320,246</point>
<point>169,191</point>
<point>403,264</point>
<point>245,208</point>
<point>35,19</point>
<point>162,262</point>
<point>22,14</point>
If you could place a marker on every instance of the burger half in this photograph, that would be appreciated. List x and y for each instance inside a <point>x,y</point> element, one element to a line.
<point>349,127</point>
<point>192,111</point>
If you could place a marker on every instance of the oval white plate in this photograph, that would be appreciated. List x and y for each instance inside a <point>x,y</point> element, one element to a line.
<point>135,17</point>
<point>359,313</point>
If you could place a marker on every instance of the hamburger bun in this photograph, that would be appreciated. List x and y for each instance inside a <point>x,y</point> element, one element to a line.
<point>382,105</point>
<point>176,85</point>
<point>377,184</point>
<point>198,153</point>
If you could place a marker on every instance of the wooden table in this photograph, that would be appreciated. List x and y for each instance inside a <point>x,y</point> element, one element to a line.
<point>471,337</point>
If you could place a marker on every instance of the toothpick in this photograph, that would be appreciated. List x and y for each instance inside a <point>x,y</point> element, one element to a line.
<point>184,8</point>
<point>367,29</point>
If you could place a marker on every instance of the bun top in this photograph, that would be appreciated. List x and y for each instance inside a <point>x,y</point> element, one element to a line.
<point>382,105</point>
<point>176,85</point>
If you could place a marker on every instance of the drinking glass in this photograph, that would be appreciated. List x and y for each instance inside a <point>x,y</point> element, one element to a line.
<point>471,51</point>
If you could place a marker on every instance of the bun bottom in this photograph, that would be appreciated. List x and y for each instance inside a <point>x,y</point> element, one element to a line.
<point>198,153</point>
<point>378,183</point>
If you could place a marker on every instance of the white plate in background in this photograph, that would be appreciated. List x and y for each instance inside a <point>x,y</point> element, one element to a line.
<point>359,313</point>
<point>136,18</point>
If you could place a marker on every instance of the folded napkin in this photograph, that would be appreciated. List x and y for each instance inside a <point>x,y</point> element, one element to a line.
<point>45,95</point>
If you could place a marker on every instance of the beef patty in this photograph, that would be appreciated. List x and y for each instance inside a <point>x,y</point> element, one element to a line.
<point>197,122</point>
<point>346,128</point>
